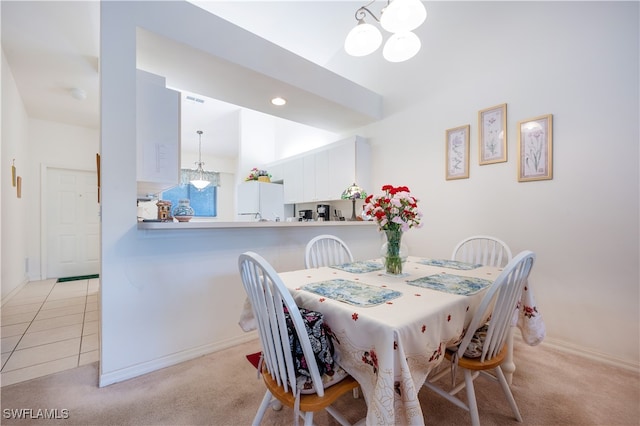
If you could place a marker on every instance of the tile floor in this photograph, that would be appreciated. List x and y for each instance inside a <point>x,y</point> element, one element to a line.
<point>49,327</point>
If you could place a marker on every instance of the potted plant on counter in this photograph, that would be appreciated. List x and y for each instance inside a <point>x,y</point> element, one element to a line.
<point>259,175</point>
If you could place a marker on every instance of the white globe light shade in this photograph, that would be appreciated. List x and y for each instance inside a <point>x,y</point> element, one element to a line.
<point>401,46</point>
<point>200,184</point>
<point>362,40</point>
<point>403,15</point>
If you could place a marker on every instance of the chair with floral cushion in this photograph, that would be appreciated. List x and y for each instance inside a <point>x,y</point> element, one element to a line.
<point>488,251</point>
<point>289,366</point>
<point>483,349</point>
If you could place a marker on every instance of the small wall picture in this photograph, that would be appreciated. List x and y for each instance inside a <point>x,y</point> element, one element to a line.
<point>13,173</point>
<point>492,134</point>
<point>535,148</point>
<point>19,186</point>
<point>457,148</point>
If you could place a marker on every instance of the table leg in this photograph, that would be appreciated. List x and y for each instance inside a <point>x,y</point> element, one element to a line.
<point>509,366</point>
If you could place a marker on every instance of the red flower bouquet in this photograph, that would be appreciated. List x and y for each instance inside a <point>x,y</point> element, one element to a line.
<point>396,211</point>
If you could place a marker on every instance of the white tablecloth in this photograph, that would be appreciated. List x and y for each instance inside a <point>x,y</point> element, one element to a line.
<point>390,348</point>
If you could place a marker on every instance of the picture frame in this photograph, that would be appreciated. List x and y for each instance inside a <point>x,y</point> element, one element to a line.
<point>492,134</point>
<point>535,148</point>
<point>19,186</point>
<point>13,173</point>
<point>457,152</point>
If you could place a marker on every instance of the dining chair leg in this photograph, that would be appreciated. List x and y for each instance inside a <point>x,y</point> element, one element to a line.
<point>263,407</point>
<point>337,415</point>
<point>471,398</point>
<point>308,418</point>
<point>509,365</point>
<point>507,392</point>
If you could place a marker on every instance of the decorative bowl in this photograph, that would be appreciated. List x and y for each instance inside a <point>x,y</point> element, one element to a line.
<point>183,218</point>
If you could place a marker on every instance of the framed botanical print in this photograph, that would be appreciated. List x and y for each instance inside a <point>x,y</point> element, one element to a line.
<point>457,148</point>
<point>13,173</point>
<point>535,148</point>
<point>492,134</point>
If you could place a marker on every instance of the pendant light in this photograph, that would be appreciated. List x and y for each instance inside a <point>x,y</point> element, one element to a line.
<point>363,39</point>
<point>400,18</point>
<point>199,182</point>
<point>403,15</point>
<point>401,46</point>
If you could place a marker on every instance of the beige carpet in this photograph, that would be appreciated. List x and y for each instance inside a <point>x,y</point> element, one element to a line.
<point>550,387</point>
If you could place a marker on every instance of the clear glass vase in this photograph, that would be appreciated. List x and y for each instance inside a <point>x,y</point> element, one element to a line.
<point>394,252</point>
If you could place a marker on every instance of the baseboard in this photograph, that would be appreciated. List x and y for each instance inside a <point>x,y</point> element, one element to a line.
<point>589,354</point>
<point>173,359</point>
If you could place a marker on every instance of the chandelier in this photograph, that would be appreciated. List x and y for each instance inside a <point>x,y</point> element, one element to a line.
<point>198,180</point>
<point>400,18</point>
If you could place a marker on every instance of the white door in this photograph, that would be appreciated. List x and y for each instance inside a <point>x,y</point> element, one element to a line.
<point>73,225</point>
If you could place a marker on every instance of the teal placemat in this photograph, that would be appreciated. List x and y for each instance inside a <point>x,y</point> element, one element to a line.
<point>452,264</point>
<point>358,294</point>
<point>360,267</point>
<point>449,283</point>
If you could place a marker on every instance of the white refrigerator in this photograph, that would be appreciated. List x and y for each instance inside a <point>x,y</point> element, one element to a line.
<point>260,200</point>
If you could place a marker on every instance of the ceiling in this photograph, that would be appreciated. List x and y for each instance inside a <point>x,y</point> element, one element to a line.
<point>53,47</point>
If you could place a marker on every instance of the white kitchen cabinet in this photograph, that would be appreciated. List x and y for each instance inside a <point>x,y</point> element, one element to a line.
<point>323,173</point>
<point>309,179</point>
<point>321,177</point>
<point>342,168</point>
<point>157,134</point>
<point>350,162</point>
<point>275,171</point>
<point>293,178</point>
<point>260,200</point>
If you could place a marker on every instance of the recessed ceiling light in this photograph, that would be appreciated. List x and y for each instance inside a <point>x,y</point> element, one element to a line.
<point>278,101</point>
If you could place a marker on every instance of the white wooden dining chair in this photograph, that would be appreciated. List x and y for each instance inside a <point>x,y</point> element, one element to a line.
<point>500,301</point>
<point>269,298</point>
<point>482,249</point>
<point>326,250</point>
<point>488,251</point>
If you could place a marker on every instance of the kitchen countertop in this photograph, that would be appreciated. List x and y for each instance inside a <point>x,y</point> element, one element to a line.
<point>213,224</point>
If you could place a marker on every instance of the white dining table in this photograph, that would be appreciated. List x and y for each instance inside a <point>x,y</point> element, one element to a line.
<point>388,333</point>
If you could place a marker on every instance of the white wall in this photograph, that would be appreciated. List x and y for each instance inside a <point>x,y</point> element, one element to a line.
<point>256,141</point>
<point>294,138</point>
<point>583,224</point>
<point>13,216</point>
